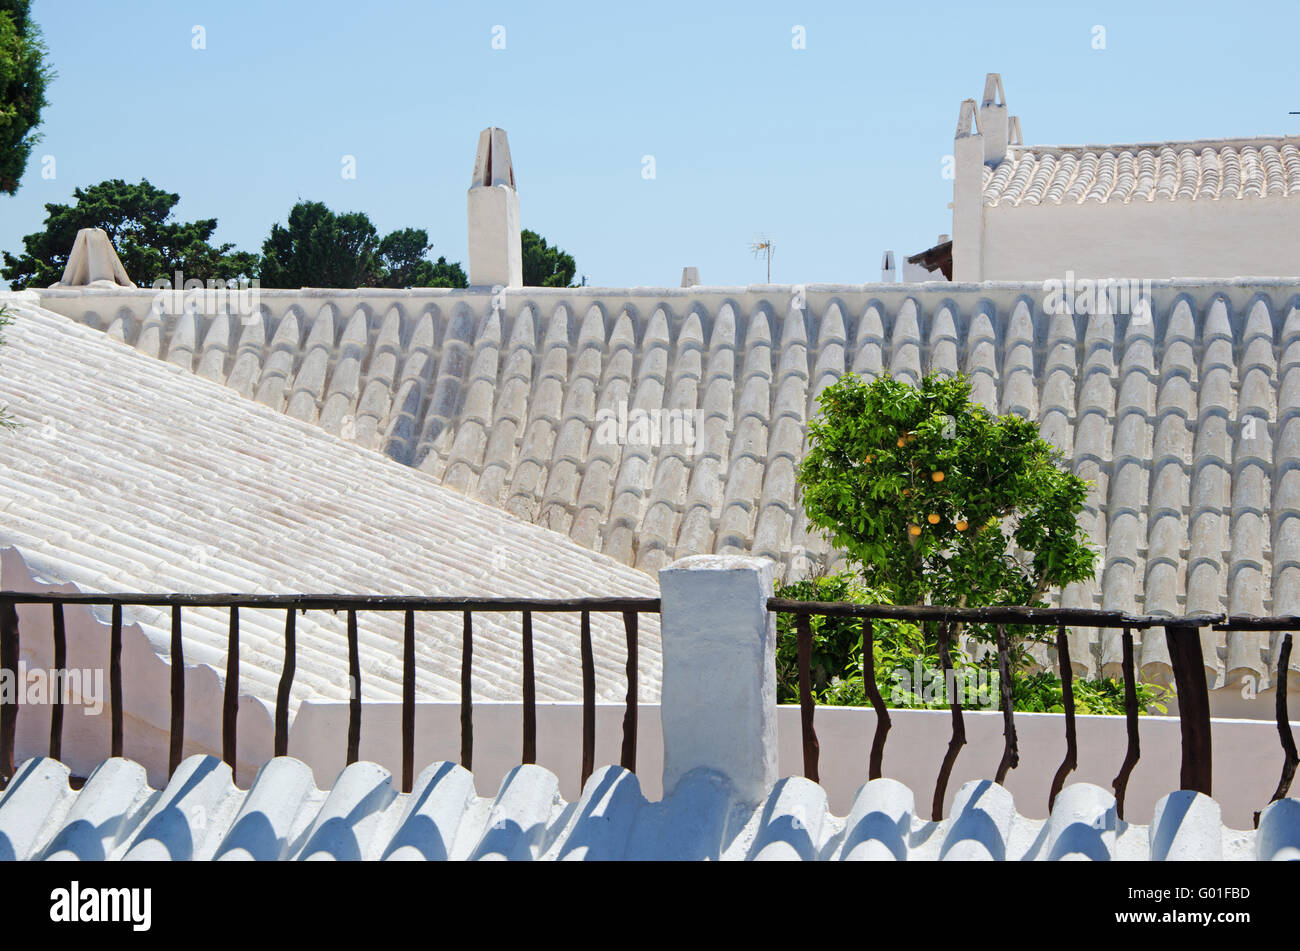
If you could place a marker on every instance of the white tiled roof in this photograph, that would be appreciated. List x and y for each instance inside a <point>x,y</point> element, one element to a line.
<point>202,815</point>
<point>1188,425</point>
<point>1190,171</point>
<point>129,474</point>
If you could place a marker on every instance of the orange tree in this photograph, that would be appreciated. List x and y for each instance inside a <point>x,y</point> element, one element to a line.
<point>937,501</point>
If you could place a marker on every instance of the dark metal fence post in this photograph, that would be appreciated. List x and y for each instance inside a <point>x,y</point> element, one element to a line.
<point>1134,751</point>
<point>60,665</point>
<point>588,699</point>
<point>1071,761</point>
<point>883,722</point>
<point>230,702</point>
<point>530,692</point>
<point>115,680</point>
<point>628,758</point>
<point>354,690</point>
<point>408,701</point>
<point>1291,759</point>
<point>811,748</point>
<point>285,688</point>
<point>958,723</point>
<point>9,647</point>
<point>1184,641</point>
<point>177,660</point>
<point>1010,745</point>
<point>467,692</point>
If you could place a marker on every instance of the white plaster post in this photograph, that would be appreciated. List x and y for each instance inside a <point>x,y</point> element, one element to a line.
<point>718,699</point>
<point>92,261</point>
<point>888,272</point>
<point>968,196</point>
<point>993,120</point>
<point>495,244</point>
<point>690,277</point>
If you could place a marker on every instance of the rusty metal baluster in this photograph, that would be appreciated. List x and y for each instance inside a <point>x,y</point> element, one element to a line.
<point>354,690</point>
<point>1010,745</point>
<point>1188,661</point>
<point>60,665</point>
<point>115,680</point>
<point>588,700</point>
<point>1134,750</point>
<point>883,722</point>
<point>1071,761</point>
<point>230,704</point>
<point>466,695</point>
<point>177,736</point>
<point>9,650</point>
<point>958,724</point>
<point>811,748</point>
<point>628,758</point>
<point>286,682</point>
<point>408,701</point>
<point>530,693</point>
<point>1284,725</point>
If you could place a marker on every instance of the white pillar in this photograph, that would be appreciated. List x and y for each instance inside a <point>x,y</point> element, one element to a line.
<point>719,672</point>
<point>993,120</point>
<point>690,277</point>
<point>968,197</point>
<point>495,249</point>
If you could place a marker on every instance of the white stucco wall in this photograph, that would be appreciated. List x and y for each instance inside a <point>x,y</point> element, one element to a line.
<point>1247,755</point>
<point>1236,237</point>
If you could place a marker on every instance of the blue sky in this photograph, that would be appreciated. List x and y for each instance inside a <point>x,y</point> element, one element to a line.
<point>835,150</point>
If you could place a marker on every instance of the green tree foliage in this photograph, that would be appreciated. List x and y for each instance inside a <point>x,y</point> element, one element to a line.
<point>545,266</point>
<point>836,671</point>
<point>936,500</point>
<point>138,220</point>
<point>403,262</point>
<point>899,649</point>
<point>319,248</point>
<point>24,78</point>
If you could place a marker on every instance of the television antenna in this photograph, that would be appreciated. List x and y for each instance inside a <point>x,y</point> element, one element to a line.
<point>762,246</point>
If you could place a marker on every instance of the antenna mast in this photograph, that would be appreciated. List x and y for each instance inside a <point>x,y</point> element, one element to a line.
<point>762,245</point>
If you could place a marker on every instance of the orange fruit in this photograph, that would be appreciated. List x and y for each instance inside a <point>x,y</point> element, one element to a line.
<point>906,493</point>
<point>962,525</point>
<point>901,442</point>
<point>914,530</point>
<point>937,476</point>
<point>932,518</point>
<point>869,458</point>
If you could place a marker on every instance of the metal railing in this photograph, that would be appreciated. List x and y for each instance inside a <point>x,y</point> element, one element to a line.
<point>292,604</point>
<point>1182,635</point>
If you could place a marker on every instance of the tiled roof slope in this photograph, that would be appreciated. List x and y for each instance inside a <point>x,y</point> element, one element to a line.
<point>1187,423</point>
<point>128,474</point>
<point>201,815</point>
<point>1171,171</point>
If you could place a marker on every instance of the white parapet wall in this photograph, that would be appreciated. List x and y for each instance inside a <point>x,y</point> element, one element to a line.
<point>718,718</point>
<point>719,715</point>
<point>1247,755</point>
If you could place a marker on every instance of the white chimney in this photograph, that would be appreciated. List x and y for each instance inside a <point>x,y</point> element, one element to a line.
<point>495,246</point>
<point>993,120</point>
